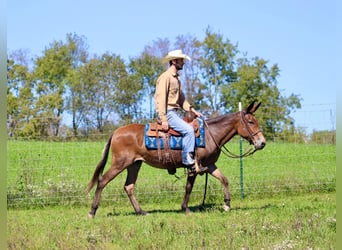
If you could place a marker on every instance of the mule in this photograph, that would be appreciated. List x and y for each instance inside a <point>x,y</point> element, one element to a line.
<point>129,151</point>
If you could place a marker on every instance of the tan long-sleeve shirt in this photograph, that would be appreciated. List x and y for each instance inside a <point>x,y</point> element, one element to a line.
<point>169,94</point>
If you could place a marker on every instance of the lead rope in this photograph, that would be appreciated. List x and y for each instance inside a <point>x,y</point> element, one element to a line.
<point>205,189</point>
<point>226,152</point>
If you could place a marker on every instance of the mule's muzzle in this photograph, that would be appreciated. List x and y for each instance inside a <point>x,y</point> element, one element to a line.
<point>259,146</point>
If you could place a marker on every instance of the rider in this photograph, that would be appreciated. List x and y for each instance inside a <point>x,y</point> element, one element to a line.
<point>169,98</point>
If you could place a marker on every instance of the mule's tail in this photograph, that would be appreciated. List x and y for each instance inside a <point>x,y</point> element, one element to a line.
<point>100,166</point>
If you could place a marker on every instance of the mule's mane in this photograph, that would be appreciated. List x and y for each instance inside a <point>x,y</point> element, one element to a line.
<point>220,118</point>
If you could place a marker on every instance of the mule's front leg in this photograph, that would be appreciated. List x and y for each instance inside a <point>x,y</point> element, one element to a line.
<point>130,192</point>
<point>214,171</point>
<point>188,188</point>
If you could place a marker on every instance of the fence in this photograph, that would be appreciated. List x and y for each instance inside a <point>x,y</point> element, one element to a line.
<point>52,173</point>
<point>316,117</point>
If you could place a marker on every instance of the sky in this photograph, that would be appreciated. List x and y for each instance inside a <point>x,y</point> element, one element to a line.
<point>299,36</point>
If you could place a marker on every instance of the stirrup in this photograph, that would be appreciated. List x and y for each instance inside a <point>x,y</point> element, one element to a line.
<point>191,170</point>
<point>196,169</point>
<point>199,168</point>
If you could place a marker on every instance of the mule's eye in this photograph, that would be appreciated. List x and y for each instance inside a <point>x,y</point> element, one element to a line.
<point>250,122</point>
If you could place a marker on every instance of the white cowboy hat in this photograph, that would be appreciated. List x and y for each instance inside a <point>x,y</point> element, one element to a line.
<point>175,54</point>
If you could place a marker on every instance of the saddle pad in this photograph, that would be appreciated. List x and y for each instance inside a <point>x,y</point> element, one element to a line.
<point>175,142</point>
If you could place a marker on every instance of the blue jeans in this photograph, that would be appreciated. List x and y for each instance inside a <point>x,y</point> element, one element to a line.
<point>187,133</point>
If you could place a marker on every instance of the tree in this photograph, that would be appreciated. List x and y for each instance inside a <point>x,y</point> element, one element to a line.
<point>255,80</point>
<point>74,93</point>
<point>102,79</point>
<point>144,71</point>
<point>50,74</point>
<point>158,48</point>
<point>128,92</point>
<point>324,137</point>
<point>75,100</point>
<point>20,98</point>
<point>56,74</point>
<point>217,67</point>
<point>98,91</point>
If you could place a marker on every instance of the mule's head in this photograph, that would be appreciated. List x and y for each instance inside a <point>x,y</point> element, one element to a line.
<point>249,127</point>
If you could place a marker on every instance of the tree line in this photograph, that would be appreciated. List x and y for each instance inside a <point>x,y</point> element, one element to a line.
<point>68,92</point>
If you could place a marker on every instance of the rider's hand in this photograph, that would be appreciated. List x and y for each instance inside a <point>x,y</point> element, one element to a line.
<point>198,114</point>
<point>165,126</point>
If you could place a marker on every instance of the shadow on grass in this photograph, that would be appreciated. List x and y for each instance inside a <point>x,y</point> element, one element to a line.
<point>211,207</point>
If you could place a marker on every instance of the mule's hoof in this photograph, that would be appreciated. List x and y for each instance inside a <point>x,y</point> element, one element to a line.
<point>142,212</point>
<point>91,216</point>
<point>226,208</point>
<point>186,210</point>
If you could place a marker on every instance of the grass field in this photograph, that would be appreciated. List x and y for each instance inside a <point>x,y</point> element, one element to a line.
<point>290,201</point>
<point>306,221</point>
<point>48,173</point>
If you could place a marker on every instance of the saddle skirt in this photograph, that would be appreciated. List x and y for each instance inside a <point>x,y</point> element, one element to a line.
<point>156,138</point>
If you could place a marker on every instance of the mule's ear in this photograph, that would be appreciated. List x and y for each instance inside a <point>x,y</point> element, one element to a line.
<point>250,108</point>
<point>256,107</point>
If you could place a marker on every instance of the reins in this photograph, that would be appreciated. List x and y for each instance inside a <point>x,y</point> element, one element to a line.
<point>225,150</point>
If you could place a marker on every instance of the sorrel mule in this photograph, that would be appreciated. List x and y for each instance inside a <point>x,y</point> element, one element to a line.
<point>129,151</point>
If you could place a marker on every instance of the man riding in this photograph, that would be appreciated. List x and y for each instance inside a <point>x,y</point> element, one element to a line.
<point>169,98</point>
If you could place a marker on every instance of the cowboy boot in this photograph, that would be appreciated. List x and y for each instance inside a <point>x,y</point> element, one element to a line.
<point>189,163</point>
<point>195,167</point>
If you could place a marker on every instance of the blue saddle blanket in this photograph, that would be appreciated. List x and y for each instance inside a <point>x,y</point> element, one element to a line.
<point>175,142</point>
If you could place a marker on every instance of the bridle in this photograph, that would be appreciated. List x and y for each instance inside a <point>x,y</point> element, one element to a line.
<point>249,131</point>
<point>226,151</point>
<point>251,135</point>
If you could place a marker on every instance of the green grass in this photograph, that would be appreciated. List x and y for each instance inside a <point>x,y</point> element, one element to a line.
<point>54,173</point>
<point>290,201</point>
<point>306,221</point>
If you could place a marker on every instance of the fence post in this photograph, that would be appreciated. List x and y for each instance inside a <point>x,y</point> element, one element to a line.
<point>241,163</point>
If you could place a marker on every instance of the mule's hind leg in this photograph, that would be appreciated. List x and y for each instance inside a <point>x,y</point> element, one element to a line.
<point>102,182</point>
<point>132,175</point>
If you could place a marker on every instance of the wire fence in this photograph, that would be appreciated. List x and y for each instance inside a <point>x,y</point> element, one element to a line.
<point>42,173</point>
<point>316,117</point>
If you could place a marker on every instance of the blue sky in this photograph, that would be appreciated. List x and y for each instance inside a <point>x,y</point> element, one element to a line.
<point>299,36</point>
